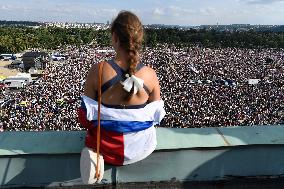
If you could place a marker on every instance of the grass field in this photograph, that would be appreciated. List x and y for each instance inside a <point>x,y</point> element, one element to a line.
<point>4,71</point>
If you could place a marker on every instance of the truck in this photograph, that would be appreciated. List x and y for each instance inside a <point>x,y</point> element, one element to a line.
<point>18,81</point>
<point>7,57</point>
<point>57,57</point>
<point>21,76</point>
<point>9,83</point>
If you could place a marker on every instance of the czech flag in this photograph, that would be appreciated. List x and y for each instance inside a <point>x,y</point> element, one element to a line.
<point>127,135</point>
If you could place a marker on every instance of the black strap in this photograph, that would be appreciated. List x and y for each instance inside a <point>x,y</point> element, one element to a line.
<point>118,106</point>
<point>110,83</point>
<point>120,76</point>
<point>146,89</point>
<point>119,71</point>
<point>139,66</point>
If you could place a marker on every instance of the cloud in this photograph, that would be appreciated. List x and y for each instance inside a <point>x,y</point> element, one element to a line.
<point>260,1</point>
<point>158,12</point>
<point>171,11</point>
<point>177,14</point>
<point>64,10</point>
<point>101,11</point>
<point>177,11</point>
<point>208,11</point>
<point>71,12</point>
<point>103,14</point>
<point>183,12</point>
<point>5,8</point>
<point>174,14</point>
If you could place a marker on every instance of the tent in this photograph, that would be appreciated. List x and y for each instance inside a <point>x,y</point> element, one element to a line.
<point>29,59</point>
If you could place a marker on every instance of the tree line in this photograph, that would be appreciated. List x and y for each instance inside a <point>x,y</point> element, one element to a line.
<point>216,39</point>
<point>17,39</point>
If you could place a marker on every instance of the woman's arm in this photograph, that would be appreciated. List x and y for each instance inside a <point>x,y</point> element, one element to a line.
<point>91,85</point>
<point>155,92</point>
<point>90,89</point>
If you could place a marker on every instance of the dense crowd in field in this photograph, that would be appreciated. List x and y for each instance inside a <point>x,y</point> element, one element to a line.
<point>201,87</point>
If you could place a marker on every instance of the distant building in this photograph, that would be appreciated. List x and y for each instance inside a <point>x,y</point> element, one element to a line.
<point>96,26</point>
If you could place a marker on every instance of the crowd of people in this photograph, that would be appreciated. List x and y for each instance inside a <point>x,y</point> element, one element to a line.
<point>201,87</point>
<point>205,87</point>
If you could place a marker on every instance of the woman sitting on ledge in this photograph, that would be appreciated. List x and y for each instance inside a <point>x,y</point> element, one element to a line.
<point>131,104</point>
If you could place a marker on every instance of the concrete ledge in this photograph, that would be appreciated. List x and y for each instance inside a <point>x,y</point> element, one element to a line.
<point>64,142</point>
<point>174,138</point>
<point>183,155</point>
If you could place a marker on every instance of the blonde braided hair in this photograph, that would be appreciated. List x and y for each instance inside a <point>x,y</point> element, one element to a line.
<point>129,31</point>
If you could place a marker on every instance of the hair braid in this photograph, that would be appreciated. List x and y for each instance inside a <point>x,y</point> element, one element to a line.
<point>129,30</point>
<point>133,59</point>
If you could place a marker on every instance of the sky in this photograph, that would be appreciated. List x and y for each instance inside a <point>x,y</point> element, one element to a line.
<point>169,12</point>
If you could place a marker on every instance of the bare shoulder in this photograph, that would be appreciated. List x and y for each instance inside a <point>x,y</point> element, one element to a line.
<point>152,82</point>
<point>95,68</point>
<point>149,73</point>
<point>150,70</point>
<point>150,78</point>
<point>91,81</point>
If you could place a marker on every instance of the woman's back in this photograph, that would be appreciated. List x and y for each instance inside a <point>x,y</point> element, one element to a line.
<point>112,89</point>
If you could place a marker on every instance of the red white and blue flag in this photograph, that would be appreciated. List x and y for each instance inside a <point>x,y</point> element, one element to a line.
<point>127,135</point>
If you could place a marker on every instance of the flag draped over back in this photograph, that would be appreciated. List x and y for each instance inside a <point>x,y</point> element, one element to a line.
<point>127,135</point>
